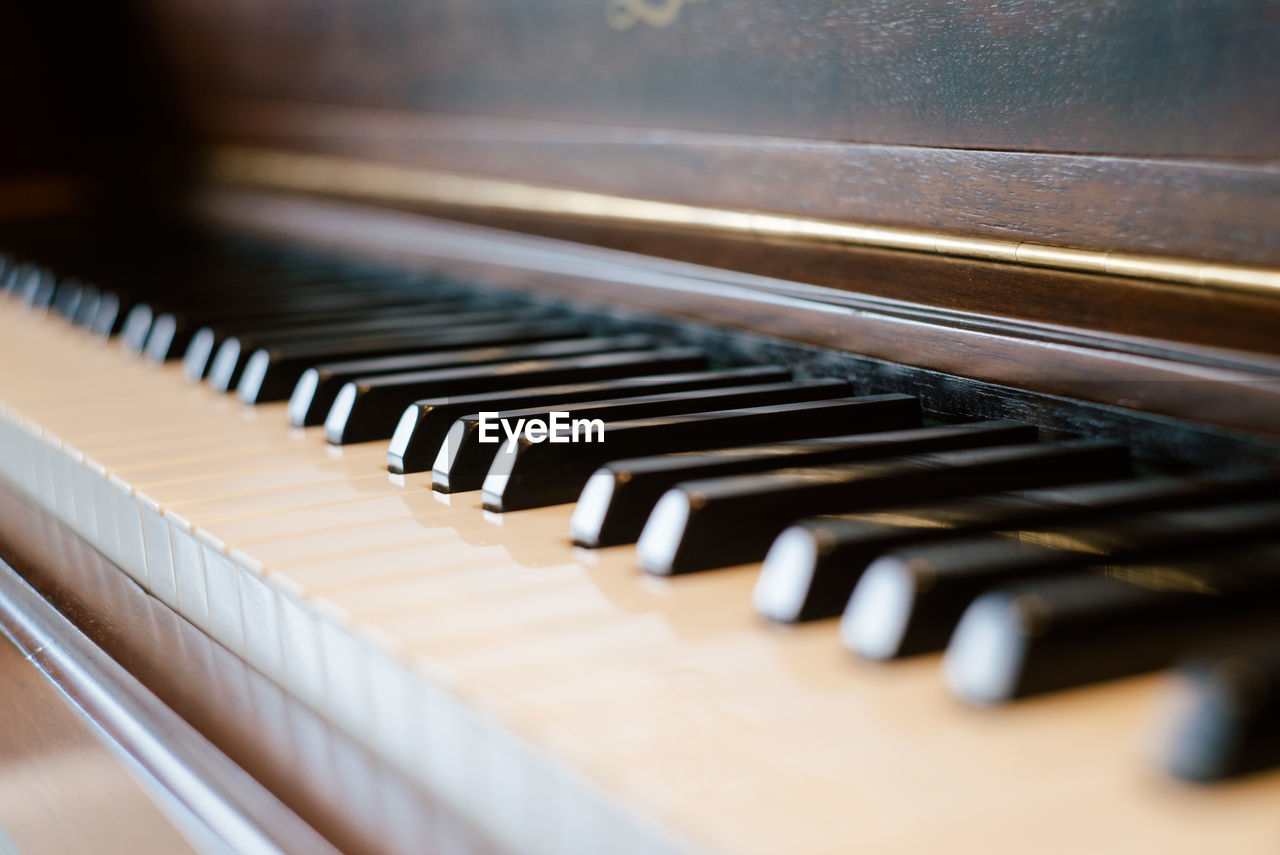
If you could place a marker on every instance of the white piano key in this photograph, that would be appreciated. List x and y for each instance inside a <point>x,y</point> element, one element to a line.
<point>166,555</point>
<point>510,777</point>
<point>15,450</point>
<point>43,459</point>
<point>221,589</point>
<point>81,488</point>
<point>312,738</point>
<point>133,549</point>
<point>159,562</point>
<point>519,793</point>
<point>304,672</point>
<point>357,776</point>
<point>32,460</point>
<point>207,538</point>
<point>346,661</point>
<point>448,763</point>
<point>196,595</point>
<point>105,523</point>
<point>21,466</point>
<point>578,824</point>
<point>61,462</point>
<point>10,445</point>
<point>548,805</point>
<point>259,617</point>
<point>270,706</point>
<point>397,728</point>
<point>82,482</point>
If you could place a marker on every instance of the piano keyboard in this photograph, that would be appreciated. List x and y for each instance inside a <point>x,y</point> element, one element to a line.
<point>577,644</point>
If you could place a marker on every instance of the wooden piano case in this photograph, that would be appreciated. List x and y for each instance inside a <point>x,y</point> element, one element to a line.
<point>1065,212</point>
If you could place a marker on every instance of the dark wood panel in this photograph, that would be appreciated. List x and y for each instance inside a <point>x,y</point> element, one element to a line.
<point>1237,398</point>
<point>1216,211</point>
<point>1111,307</point>
<point>1105,304</point>
<point>1180,77</point>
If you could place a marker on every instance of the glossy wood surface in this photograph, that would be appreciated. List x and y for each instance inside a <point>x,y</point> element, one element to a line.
<point>1081,124</point>
<point>1186,78</point>
<point>1225,387</point>
<point>671,696</point>
<point>1147,130</point>
<point>1193,208</point>
<point>61,789</point>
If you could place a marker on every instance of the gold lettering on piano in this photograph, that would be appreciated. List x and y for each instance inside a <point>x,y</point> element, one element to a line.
<point>625,14</point>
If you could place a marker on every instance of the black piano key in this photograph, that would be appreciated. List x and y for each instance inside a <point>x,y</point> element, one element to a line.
<point>318,386</point>
<point>355,302</point>
<point>66,299</point>
<point>198,357</point>
<point>171,335</point>
<point>262,293</point>
<point>42,296</point>
<point>209,338</point>
<point>1063,631</point>
<point>226,368</point>
<point>699,525</point>
<point>109,316</point>
<point>369,408</point>
<point>530,474</point>
<point>813,566</point>
<point>25,279</point>
<point>225,297</point>
<point>90,300</point>
<point>171,327</point>
<point>617,500</point>
<point>1224,719</point>
<point>38,289</point>
<point>136,327</point>
<point>908,600</point>
<point>425,424</point>
<point>15,281</point>
<point>271,373</point>
<point>464,460</point>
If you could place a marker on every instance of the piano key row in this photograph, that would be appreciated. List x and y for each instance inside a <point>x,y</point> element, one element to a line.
<point>385,364</point>
<point>336,666</point>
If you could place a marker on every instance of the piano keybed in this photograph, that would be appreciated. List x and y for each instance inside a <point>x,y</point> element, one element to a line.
<point>568,700</point>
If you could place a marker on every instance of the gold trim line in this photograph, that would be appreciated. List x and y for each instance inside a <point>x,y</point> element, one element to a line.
<point>348,177</point>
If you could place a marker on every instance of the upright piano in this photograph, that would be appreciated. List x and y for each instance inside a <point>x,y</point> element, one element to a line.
<point>638,426</point>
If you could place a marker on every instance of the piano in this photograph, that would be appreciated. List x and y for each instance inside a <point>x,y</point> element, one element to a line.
<point>646,426</point>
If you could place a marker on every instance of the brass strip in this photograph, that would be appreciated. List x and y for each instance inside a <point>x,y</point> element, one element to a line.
<point>362,179</point>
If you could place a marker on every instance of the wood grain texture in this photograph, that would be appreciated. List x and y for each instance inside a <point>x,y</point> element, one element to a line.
<point>61,789</point>
<point>1242,394</point>
<point>1104,304</point>
<point>1148,127</point>
<point>1189,208</point>
<point>1191,77</point>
